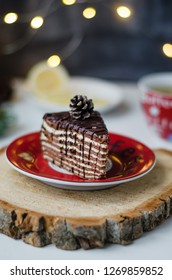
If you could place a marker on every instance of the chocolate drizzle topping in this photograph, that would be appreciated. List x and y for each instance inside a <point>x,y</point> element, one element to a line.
<point>92,125</point>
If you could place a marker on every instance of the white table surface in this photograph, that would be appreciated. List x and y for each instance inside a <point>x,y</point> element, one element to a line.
<point>127,119</point>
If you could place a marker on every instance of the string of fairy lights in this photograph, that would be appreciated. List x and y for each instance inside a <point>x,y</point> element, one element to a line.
<point>123,11</point>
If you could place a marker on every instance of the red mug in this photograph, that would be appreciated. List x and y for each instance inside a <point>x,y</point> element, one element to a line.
<point>156,102</point>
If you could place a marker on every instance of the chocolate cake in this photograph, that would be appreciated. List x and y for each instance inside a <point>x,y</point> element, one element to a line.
<point>76,140</point>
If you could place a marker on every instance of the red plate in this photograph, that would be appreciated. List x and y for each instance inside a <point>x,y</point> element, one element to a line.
<point>129,160</point>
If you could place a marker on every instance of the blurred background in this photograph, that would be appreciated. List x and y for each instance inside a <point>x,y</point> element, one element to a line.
<point>98,48</point>
<point>109,39</point>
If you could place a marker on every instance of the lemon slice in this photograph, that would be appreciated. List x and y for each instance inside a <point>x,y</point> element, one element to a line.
<point>49,84</point>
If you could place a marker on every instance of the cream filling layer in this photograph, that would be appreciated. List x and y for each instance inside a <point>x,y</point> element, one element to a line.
<point>72,147</point>
<point>55,148</point>
<point>61,136</point>
<point>77,169</point>
<point>100,165</point>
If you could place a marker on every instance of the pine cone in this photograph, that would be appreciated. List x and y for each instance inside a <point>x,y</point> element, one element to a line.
<point>81,107</point>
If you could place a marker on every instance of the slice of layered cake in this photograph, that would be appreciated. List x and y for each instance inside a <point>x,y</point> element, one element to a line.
<point>76,140</point>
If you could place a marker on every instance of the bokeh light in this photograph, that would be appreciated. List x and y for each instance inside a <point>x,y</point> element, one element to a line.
<point>37,22</point>
<point>53,61</point>
<point>123,11</point>
<point>89,12</point>
<point>10,18</point>
<point>167,49</point>
<point>68,2</point>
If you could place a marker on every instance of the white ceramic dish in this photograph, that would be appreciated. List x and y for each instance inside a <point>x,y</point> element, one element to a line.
<point>105,95</point>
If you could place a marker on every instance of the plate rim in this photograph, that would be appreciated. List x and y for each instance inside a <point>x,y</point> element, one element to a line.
<point>85,183</point>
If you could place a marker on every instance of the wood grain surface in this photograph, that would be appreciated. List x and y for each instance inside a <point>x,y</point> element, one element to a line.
<point>40,214</point>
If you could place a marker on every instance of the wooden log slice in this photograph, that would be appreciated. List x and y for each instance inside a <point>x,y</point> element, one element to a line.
<point>40,214</point>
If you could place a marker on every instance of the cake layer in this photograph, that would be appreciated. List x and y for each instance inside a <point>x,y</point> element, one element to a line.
<point>85,163</point>
<point>82,171</point>
<point>79,157</point>
<point>76,149</point>
<point>72,136</point>
<point>76,131</point>
<point>69,141</point>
